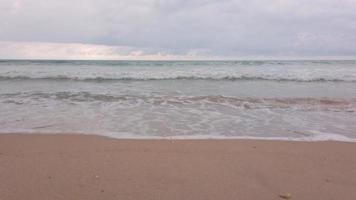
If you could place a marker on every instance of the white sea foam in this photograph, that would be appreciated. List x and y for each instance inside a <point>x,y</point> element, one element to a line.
<point>131,136</point>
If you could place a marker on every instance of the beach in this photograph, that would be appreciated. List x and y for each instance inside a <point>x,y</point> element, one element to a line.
<point>177,100</point>
<point>37,166</point>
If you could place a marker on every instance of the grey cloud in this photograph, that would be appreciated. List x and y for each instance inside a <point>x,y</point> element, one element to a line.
<point>216,28</point>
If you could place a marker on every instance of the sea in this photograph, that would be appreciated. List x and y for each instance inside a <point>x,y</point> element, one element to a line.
<point>307,100</point>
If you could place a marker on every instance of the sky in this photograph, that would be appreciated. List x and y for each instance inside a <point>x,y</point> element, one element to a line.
<point>177,29</point>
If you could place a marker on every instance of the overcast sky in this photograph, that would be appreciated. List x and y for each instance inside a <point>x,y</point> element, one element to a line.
<point>177,29</point>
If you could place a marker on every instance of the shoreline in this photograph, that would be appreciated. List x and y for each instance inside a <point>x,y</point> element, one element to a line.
<point>324,137</point>
<point>64,166</point>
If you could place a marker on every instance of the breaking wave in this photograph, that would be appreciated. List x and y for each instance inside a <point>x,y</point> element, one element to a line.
<point>300,71</point>
<point>307,104</point>
<point>172,77</point>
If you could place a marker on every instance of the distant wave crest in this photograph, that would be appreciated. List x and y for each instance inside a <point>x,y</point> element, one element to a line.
<point>152,78</point>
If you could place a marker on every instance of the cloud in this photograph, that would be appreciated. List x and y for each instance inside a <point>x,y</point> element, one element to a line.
<point>42,50</point>
<point>209,28</point>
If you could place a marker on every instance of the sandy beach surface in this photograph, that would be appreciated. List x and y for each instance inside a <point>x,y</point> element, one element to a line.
<point>36,167</point>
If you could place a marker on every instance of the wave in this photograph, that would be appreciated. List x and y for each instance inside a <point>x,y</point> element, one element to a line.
<point>152,78</point>
<point>301,71</point>
<point>172,62</point>
<point>307,104</point>
<point>177,116</point>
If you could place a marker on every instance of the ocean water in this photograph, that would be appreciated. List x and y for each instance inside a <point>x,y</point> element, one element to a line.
<point>292,100</point>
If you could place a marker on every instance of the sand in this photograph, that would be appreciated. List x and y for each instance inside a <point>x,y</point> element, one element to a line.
<point>45,167</point>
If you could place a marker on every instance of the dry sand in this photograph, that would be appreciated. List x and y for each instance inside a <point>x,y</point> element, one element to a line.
<point>45,167</point>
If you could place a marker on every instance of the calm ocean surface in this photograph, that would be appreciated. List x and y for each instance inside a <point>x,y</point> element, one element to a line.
<point>295,100</point>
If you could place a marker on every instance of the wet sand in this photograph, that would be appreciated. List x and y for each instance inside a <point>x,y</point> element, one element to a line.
<point>35,167</point>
